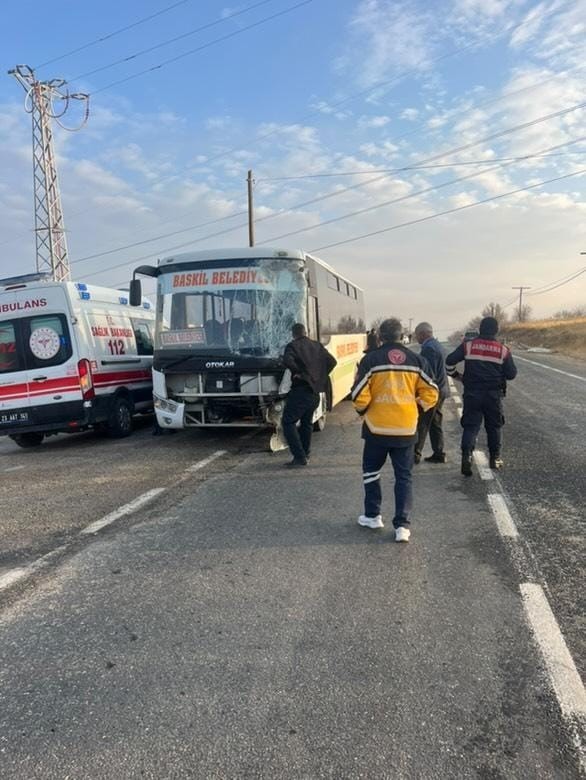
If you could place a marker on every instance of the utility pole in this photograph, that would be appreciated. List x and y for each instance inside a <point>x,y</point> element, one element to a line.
<point>250,182</point>
<point>520,300</point>
<point>41,102</point>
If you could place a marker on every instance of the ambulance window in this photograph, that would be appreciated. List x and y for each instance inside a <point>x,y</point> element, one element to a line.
<point>10,355</point>
<point>48,341</point>
<point>144,339</point>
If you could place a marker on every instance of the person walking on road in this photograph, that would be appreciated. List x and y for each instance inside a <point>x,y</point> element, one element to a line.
<point>488,365</point>
<point>310,364</point>
<point>391,383</point>
<point>431,421</point>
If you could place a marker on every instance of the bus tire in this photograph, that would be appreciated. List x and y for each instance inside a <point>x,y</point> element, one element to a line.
<point>120,418</point>
<point>27,440</point>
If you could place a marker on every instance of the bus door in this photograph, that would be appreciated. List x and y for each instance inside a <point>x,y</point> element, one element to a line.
<point>312,327</point>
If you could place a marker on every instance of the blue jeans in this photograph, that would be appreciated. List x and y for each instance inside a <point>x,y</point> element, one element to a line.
<point>373,459</point>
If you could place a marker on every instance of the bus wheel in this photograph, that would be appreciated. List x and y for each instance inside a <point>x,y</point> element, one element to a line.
<point>27,440</point>
<point>120,418</point>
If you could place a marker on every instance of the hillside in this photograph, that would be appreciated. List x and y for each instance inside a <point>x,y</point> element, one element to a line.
<point>565,336</point>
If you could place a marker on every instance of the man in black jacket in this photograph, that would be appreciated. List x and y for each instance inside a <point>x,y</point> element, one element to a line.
<point>310,364</point>
<point>431,421</point>
<point>488,365</point>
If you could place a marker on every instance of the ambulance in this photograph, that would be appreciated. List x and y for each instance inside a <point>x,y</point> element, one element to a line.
<point>73,356</point>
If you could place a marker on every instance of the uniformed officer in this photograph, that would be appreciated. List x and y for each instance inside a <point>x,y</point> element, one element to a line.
<point>488,365</point>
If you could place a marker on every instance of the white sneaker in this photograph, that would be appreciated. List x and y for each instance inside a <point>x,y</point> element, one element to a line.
<point>371,522</point>
<point>402,534</point>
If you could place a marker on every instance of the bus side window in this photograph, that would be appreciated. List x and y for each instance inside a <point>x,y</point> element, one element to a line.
<point>144,339</point>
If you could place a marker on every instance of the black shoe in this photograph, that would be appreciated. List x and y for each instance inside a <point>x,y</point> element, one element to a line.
<point>437,457</point>
<point>417,458</point>
<point>496,462</point>
<point>467,464</point>
<point>296,463</point>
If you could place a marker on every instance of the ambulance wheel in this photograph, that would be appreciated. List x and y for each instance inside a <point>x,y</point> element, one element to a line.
<point>120,418</point>
<point>26,440</point>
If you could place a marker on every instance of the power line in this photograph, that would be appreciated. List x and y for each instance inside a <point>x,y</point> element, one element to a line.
<point>382,84</point>
<point>449,211</point>
<point>403,198</point>
<point>172,40</point>
<point>559,283</point>
<point>204,46</point>
<point>403,168</point>
<point>360,185</point>
<point>112,34</point>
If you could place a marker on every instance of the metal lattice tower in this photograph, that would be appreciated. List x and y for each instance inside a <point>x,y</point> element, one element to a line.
<point>40,101</point>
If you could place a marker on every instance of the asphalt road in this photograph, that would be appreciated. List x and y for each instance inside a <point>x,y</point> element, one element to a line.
<point>243,626</point>
<point>545,476</point>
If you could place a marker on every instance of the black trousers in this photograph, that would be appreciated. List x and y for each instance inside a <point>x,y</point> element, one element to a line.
<point>431,422</point>
<point>300,405</point>
<point>479,405</point>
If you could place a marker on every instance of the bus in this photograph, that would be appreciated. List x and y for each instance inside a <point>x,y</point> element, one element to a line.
<point>223,319</point>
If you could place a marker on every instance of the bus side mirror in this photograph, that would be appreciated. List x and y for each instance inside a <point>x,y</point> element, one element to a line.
<point>135,296</point>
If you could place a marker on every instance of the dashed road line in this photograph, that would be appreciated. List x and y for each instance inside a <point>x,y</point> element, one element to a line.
<point>484,469</point>
<point>502,516</point>
<point>205,462</point>
<point>551,368</point>
<point>126,509</point>
<point>13,468</point>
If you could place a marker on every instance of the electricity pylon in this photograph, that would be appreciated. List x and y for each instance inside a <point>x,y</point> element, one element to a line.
<point>40,102</point>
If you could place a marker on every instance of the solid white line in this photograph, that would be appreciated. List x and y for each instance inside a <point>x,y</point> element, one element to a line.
<point>482,465</point>
<point>504,521</point>
<point>566,681</point>
<point>551,368</point>
<point>13,468</point>
<point>121,511</point>
<point>205,462</point>
<point>8,579</point>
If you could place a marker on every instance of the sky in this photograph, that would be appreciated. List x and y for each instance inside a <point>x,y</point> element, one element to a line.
<point>361,121</point>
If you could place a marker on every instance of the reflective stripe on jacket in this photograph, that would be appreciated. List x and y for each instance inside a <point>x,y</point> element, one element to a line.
<point>390,385</point>
<point>487,362</point>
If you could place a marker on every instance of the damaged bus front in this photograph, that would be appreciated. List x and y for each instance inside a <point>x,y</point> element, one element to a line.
<point>223,320</point>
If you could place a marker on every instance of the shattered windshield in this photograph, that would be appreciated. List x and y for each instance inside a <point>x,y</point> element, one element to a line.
<point>234,309</point>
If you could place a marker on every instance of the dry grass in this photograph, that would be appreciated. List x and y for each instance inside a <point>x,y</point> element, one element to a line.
<point>565,336</point>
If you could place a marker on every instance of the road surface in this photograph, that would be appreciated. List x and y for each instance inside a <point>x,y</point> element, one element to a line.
<point>240,624</point>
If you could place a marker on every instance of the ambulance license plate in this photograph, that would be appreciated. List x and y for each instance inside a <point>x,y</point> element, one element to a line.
<point>13,418</point>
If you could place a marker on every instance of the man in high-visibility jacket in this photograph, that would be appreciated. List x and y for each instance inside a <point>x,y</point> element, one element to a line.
<point>488,365</point>
<point>391,384</point>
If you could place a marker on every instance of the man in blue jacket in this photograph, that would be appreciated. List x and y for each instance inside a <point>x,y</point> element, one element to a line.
<point>431,421</point>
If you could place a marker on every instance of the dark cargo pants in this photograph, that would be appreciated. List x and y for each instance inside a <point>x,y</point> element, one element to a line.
<point>482,404</point>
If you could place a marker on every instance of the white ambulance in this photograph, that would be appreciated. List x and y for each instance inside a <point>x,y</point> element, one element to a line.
<point>72,356</point>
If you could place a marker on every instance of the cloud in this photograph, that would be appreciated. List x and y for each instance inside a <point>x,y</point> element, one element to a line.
<point>390,39</point>
<point>374,121</point>
<point>410,114</point>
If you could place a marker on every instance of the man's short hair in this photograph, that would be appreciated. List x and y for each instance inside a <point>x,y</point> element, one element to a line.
<point>424,327</point>
<point>298,330</point>
<point>390,330</point>
<point>488,326</point>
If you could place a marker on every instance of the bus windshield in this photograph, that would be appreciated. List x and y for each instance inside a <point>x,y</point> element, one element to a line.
<point>231,308</point>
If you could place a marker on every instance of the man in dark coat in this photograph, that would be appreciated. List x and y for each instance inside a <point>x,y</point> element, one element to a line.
<point>431,421</point>
<point>488,365</point>
<point>310,365</point>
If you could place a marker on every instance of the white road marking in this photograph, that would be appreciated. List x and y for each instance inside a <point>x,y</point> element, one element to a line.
<point>8,579</point>
<point>565,680</point>
<point>13,468</point>
<point>132,506</point>
<point>205,462</point>
<point>551,368</point>
<point>482,465</point>
<point>504,521</point>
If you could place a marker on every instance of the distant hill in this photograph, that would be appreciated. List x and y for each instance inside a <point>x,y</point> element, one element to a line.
<point>565,336</point>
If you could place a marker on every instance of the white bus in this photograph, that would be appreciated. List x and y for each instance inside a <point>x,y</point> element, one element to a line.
<point>72,356</point>
<point>223,320</point>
